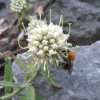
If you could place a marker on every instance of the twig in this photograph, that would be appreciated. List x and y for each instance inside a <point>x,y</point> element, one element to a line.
<point>16,27</point>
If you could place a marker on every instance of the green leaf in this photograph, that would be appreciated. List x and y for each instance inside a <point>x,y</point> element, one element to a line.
<point>55,84</point>
<point>25,10</point>
<point>27,77</point>
<point>29,6</point>
<point>22,97</point>
<point>38,98</point>
<point>8,75</point>
<point>29,95</point>
<point>30,92</point>
<point>48,73</point>
<point>9,84</point>
<point>21,62</point>
<point>36,73</point>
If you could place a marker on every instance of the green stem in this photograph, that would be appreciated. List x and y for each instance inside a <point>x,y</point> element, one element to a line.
<point>12,94</point>
<point>61,21</point>
<point>8,96</point>
<point>16,27</point>
<point>18,23</point>
<point>50,16</point>
<point>20,44</point>
<point>69,27</point>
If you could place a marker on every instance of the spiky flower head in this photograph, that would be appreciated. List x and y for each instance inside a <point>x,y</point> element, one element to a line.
<point>34,23</point>
<point>46,43</point>
<point>18,5</point>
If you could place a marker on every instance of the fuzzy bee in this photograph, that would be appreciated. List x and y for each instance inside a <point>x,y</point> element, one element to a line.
<point>68,60</point>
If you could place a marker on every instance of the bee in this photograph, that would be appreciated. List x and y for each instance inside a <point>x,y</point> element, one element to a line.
<point>68,60</point>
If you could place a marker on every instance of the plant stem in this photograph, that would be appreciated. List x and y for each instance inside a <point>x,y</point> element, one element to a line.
<point>16,27</point>
<point>14,93</point>
<point>8,96</point>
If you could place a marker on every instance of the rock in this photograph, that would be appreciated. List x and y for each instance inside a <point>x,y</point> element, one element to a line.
<point>84,15</point>
<point>5,10</point>
<point>82,84</point>
<point>95,3</point>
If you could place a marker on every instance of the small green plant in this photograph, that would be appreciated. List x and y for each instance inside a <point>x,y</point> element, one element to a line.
<point>9,85</point>
<point>46,43</point>
<point>20,7</point>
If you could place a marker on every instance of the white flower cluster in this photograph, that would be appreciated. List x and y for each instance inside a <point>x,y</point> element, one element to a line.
<point>18,5</point>
<point>34,23</point>
<point>46,42</point>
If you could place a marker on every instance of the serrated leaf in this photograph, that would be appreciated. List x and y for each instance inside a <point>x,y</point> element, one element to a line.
<point>30,93</point>
<point>8,75</point>
<point>9,84</point>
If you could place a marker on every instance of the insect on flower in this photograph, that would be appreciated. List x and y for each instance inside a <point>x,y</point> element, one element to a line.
<point>49,47</point>
<point>68,58</point>
<point>46,43</point>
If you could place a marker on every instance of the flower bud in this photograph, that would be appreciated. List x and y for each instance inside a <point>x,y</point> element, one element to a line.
<point>17,5</point>
<point>45,48</point>
<point>52,40</point>
<point>44,42</point>
<point>41,46</point>
<point>51,52</point>
<point>37,43</point>
<point>54,46</point>
<point>40,53</point>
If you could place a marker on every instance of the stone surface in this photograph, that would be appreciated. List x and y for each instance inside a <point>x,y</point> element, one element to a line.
<point>84,15</point>
<point>5,10</point>
<point>82,84</point>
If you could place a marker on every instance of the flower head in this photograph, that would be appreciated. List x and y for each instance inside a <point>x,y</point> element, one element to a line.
<point>34,23</point>
<point>18,5</point>
<point>47,42</point>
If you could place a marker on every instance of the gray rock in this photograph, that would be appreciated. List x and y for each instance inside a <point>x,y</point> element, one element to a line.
<point>82,84</point>
<point>85,16</point>
<point>5,10</point>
